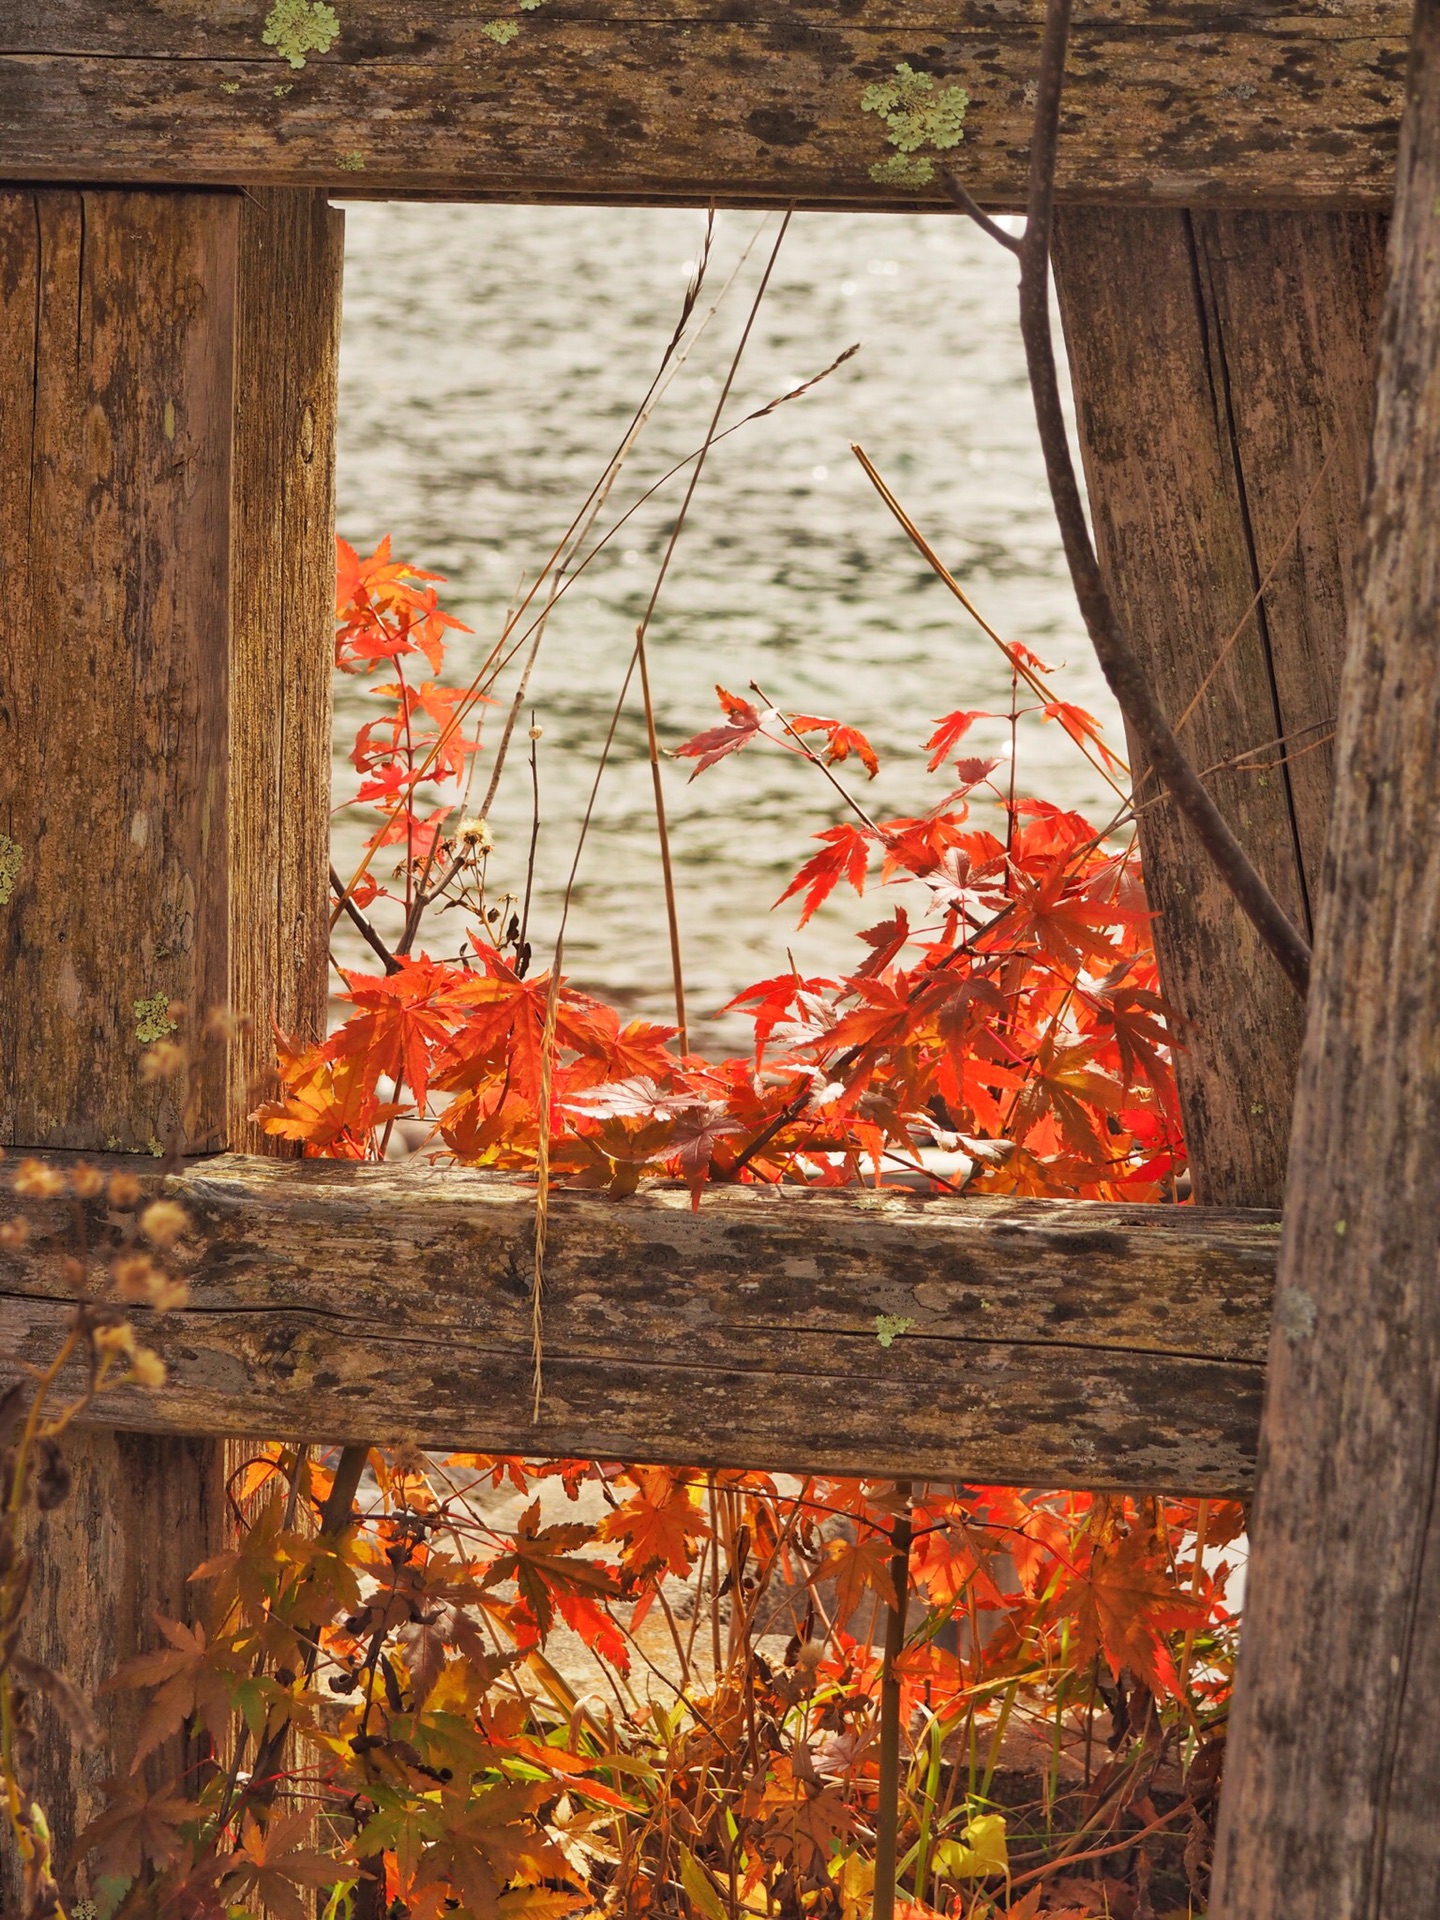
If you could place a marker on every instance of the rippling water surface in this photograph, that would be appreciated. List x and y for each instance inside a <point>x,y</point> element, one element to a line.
<point>491,359</point>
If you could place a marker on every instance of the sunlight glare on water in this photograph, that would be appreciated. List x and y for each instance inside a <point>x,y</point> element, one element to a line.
<point>491,359</point>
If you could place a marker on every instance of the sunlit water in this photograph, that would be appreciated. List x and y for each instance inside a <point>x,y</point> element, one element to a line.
<point>491,359</point>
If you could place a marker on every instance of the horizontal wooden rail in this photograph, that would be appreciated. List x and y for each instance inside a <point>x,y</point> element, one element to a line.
<point>749,102</point>
<point>1032,1342</point>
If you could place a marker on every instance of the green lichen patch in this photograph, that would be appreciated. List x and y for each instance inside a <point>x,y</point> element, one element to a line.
<point>917,114</point>
<point>352,162</point>
<point>296,28</point>
<point>502,32</point>
<point>229,86</point>
<point>890,1326</point>
<point>152,1019</point>
<point>11,861</point>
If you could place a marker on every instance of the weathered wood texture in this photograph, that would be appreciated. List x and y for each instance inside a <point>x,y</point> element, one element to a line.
<point>164,710</point>
<point>1333,1782</point>
<point>1222,366</point>
<point>117,332</point>
<point>167,404</point>
<point>753,102</point>
<point>291,249</point>
<point>1054,1343</point>
<point>142,1513</point>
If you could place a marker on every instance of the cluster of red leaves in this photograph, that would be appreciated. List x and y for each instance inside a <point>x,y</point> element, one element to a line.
<point>1015,1023</point>
<point>400,1682</point>
<point>394,1685</point>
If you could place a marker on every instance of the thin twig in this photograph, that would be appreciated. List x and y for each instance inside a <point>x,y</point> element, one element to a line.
<point>547,1054</point>
<point>522,945</point>
<point>1118,659</point>
<point>887,1811</point>
<point>671,909</point>
<point>942,572</point>
<point>803,747</point>
<point>497,659</point>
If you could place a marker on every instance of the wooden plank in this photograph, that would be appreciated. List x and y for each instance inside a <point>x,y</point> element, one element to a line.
<point>142,1511</point>
<point>1333,1769</point>
<point>167,500</point>
<point>291,248</point>
<point>1219,362</point>
<point>749,102</point>
<point>1050,1342</point>
<point>163,759</point>
<point>115,491</point>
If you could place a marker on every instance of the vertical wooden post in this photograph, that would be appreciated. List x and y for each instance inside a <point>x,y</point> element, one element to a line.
<point>1222,367</point>
<point>1333,1780</point>
<point>167,396</point>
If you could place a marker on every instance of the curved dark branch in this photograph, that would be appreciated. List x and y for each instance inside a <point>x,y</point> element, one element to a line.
<point>1118,659</point>
<point>1011,242</point>
<point>362,926</point>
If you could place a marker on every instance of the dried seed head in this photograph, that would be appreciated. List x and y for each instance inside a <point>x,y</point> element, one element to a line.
<point>124,1190</point>
<point>14,1233</point>
<point>162,1061</point>
<point>72,1271</point>
<point>135,1276</point>
<point>219,1023</point>
<point>147,1369</point>
<point>537,733</point>
<point>170,1295</point>
<point>474,837</point>
<point>163,1222</point>
<point>37,1181</point>
<point>85,1180</point>
<point>117,1342</point>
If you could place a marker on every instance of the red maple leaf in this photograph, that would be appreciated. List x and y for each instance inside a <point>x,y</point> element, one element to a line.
<point>403,1017</point>
<point>742,723</point>
<point>948,734</point>
<point>844,856</point>
<point>657,1523</point>
<point>840,741</point>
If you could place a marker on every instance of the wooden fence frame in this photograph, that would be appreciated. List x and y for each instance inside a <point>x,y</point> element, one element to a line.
<point>173,340</point>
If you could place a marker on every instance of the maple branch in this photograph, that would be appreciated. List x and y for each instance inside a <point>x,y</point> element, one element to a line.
<point>803,746</point>
<point>362,925</point>
<point>1118,660</point>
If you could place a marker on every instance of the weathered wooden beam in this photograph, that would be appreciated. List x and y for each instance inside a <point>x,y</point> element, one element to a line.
<point>1333,1771</point>
<point>167,381</point>
<point>749,102</point>
<point>1048,1342</point>
<point>1223,367</point>
<point>167,418</point>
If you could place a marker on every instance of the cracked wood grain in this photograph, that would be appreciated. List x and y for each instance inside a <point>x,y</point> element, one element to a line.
<point>1223,369</point>
<point>751,102</point>
<point>1055,1343</point>
<point>167,378</point>
<point>1333,1769</point>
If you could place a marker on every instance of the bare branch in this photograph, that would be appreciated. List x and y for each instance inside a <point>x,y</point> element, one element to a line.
<point>362,926</point>
<point>1118,659</point>
<point>1011,242</point>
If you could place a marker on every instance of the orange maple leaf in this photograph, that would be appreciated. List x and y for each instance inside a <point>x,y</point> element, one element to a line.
<point>657,1522</point>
